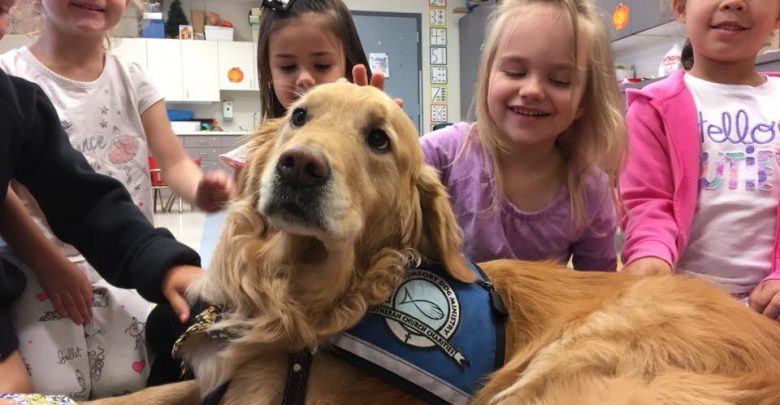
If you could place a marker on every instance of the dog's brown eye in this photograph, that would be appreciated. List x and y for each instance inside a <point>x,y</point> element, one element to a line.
<point>299,117</point>
<point>378,140</point>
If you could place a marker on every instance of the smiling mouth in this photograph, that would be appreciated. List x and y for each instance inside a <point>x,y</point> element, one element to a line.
<point>528,113</point>
<point>89,7</point>
<point>733,27</point>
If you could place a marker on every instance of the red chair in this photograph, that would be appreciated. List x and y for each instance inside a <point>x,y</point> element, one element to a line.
<point>158,185</point>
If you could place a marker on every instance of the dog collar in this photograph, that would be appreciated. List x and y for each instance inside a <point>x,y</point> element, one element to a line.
<point>295,384</point>
<point>297,373</point>
<point>297,376</point>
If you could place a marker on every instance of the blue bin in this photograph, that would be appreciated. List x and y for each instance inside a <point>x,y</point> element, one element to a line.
<point>180,115</point>
<point>154,29</point>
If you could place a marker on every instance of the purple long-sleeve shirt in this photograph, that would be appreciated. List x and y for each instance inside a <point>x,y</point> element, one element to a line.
<point>507,232</point>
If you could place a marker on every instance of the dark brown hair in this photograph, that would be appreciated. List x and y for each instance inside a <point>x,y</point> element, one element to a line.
<point>338,20</point>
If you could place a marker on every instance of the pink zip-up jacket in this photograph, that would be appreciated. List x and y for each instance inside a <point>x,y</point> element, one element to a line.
<point>660,183</point>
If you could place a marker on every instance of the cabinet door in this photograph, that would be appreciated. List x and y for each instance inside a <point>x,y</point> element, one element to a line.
<point>200,70</point>
<point>649,14</point>
<point>130,50</point>
<point>164,66</point>
<point>255,70</point>
<point>236,66</point>
<point>471,30</point>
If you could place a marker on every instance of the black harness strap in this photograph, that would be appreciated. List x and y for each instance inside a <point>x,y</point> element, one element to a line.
<point>297,376</point>
<point>295,385</point>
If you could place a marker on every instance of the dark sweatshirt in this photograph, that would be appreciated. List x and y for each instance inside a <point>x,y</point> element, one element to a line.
<point>88,210</point>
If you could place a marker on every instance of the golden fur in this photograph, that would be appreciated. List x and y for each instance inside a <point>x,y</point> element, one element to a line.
<point>293,279</point>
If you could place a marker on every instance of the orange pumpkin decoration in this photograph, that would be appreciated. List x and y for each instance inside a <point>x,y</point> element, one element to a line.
<point>620,17</point>
<point>235,75</point>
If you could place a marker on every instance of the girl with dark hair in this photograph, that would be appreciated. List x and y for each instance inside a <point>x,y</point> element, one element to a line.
<point>301,43</point>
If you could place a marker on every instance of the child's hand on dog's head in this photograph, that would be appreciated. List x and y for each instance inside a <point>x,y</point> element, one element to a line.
<point>360,77</point>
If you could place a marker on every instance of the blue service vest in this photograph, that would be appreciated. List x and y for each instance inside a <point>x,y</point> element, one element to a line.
<point>435,337</point>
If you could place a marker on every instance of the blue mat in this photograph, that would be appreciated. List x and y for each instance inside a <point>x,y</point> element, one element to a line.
<point>212,228</point>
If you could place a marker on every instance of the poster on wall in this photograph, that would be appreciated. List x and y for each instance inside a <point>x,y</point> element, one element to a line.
<point>439,94</point>
<point>438,113</point>
<point>379,63</point>
<point>438,17</point>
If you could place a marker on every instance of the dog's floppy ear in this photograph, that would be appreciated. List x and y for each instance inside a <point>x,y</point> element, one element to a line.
<point>261,145</point>
<point>441,236</point>
<point>242,226</point>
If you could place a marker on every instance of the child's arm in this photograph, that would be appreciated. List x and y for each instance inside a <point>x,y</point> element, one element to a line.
<point>647,189</point>
<point>92,212</point>
<point>648,266</point>
<point>68,289</point>
<point>15,378</point>
<point>208,192</point>
<point>595,250</point>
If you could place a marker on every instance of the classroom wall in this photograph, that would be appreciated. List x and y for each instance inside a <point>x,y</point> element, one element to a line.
<point>236,12</point>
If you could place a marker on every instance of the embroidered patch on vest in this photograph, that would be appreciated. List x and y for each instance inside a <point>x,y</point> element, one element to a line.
<point>435,337</point>
<point>423,312</point>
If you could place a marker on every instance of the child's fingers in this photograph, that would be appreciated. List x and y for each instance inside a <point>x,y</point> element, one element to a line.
<point>772,310</point>
<point>757,300</point>
<point>378,81</point>
<point>84,304</point>
<point>359,75</point>
<point>180,307</point>
<point>73,311</point>
<point>59,306</point>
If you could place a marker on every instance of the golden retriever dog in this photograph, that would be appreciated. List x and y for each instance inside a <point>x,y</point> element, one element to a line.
<point>337,201</point>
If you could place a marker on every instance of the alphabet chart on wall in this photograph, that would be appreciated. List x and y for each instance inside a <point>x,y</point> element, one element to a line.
<point>437,54</point>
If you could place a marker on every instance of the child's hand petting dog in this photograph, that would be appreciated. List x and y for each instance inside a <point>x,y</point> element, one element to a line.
<point>214,191</point>
<point>765,299</point>
<point>175,285</point>
<point>360,77</point>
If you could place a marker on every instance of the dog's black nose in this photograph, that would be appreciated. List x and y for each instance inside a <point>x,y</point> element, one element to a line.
<point>302,166</point>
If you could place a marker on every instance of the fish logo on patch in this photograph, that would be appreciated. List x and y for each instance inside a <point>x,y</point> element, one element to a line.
<point>424,312</point>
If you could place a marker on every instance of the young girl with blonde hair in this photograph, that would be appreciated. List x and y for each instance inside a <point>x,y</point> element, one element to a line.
<point>534,177</point>
<point>115,117</point>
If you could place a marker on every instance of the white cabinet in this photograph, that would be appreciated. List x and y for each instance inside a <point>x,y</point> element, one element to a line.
<point>237,66</point>
<point>184,70</point>
<point>164,65</point>
<point>130,50</point>
<point>256,70</point>
<point>200,70</point>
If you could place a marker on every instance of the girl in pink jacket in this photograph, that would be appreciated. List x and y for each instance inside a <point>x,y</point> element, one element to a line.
<point>701,188</point>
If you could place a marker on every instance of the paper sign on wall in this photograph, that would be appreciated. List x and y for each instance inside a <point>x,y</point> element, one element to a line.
<point>379,63</point>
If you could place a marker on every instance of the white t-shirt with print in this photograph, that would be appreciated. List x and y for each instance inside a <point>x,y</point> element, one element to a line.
<point>103,121</point>
<point>732,237</point>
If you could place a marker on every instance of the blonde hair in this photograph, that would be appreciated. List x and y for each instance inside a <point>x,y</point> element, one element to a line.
<point>595,140</point>
<point>27,16</point>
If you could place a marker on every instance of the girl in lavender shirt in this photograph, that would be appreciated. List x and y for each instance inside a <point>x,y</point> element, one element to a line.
<point>534,177</point>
